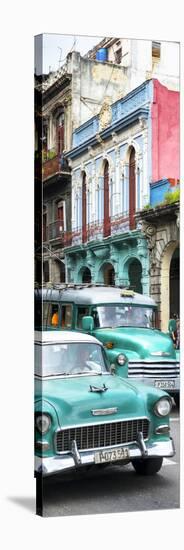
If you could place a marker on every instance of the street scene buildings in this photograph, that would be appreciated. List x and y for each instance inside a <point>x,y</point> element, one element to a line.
<point>107,222</point>
<point>110,169</point>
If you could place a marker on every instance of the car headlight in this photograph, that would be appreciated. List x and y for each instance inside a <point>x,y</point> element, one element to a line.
<point>163,406</point>
<point>43,423</point>
<point>121,359</point>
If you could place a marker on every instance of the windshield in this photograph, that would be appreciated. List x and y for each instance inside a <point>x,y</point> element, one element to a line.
<point>68,359</point>
<point>123,316</point>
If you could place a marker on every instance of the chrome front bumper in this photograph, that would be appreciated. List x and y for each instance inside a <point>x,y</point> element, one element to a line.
<point>75,459</point>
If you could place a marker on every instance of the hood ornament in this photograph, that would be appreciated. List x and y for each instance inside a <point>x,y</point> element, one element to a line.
<point>98,390</point>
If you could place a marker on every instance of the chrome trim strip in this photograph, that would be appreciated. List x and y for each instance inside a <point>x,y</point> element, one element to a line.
<point>99,412</point>
<point>141,362</point>
<point>56,464</point>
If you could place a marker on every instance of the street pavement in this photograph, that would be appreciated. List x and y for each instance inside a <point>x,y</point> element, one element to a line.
<point>115,489</point>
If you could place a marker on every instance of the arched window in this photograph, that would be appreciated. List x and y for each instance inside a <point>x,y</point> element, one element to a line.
<point>109,274</point>
<point>106,200</point>
<point>174,283</point>
<point>132,188</point>
<point>135,275</point>
<point>86,275</point>
<point>84,208</point>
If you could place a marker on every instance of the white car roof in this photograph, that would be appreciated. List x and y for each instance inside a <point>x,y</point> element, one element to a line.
<point>63,336</point>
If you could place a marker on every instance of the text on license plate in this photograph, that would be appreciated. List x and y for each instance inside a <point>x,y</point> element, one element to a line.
<point>111,456</point>
<point>165,384</point>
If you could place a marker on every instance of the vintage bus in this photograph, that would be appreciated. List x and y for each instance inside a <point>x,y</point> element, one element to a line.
<point>123,320</point>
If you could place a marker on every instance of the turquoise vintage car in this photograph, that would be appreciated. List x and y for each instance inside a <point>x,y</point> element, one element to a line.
<point>85,415</point>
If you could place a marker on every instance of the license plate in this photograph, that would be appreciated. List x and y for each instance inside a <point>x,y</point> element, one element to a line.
<point>165,384</point>
<point>111,456</point>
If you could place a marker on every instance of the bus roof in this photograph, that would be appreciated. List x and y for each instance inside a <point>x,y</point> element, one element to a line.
<point>92,294</point>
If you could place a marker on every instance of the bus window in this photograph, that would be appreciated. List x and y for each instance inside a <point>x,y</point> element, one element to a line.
<point>45,306</point>
<point>82,311</point>
<point>66,316</point>
<point>53,317</point>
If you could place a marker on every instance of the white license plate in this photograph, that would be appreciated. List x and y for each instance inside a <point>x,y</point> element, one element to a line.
<point>165,384</point>
<point>111,456</point>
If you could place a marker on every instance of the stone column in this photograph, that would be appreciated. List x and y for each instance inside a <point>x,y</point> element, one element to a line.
<point>117,202</point>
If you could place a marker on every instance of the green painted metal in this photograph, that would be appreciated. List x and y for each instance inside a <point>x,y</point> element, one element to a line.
<point>69,402</point>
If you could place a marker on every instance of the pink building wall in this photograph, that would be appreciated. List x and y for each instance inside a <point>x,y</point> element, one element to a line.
<point>165,132</point>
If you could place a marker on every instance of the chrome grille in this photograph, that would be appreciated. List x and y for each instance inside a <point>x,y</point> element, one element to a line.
<point>154,370</point>
<point>101,435</point>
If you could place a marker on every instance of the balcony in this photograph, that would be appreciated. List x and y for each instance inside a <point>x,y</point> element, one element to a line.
<point>95,231</point>
<point>56,164</point>
<point>159,189</point>
<point>55,232</point>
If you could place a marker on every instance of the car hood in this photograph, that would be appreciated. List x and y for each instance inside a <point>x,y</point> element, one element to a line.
<point>74,402</point>
<point>139,343</point>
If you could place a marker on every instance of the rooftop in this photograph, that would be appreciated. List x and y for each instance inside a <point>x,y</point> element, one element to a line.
<point>62,336</point>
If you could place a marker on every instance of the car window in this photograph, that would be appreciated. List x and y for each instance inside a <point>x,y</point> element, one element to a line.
<point>69,358</point>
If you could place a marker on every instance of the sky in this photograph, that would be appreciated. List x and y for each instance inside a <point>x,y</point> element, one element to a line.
<point>57,46</point>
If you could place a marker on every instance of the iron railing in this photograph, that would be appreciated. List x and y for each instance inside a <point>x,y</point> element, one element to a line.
<point>92,231</point>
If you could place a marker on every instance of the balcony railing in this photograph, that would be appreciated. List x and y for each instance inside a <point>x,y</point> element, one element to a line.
<point>95,230</point>
<point>54,165</point>
<point>55,232</point>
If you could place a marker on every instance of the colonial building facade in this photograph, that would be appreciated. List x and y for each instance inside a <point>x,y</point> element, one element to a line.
<point>115,157</point>
<point>67,99</point>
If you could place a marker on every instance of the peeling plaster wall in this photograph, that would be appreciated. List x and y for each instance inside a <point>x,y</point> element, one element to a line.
<point>92,82</point>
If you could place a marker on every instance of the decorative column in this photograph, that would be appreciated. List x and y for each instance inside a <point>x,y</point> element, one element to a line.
<point>150,232</point>
<point>93,192</point>
<point>143,255</point>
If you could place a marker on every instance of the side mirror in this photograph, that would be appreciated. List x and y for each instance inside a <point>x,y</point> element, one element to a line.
<point>87,323</point>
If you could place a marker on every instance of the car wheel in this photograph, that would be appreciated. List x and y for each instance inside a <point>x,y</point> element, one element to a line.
<point>148,466</point>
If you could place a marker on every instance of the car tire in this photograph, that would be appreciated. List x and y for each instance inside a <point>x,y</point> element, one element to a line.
<point>148,466</point>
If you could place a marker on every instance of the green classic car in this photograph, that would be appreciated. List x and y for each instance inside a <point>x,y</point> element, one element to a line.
<point>86,415</point>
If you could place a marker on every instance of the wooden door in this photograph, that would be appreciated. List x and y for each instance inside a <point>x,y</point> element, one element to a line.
<point>106,201</point>
<point>84,209</point>
<point>132,189</point>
